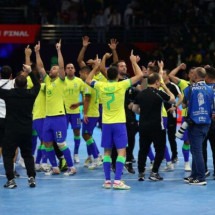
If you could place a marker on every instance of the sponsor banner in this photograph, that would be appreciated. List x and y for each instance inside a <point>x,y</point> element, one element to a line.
<point>19,33</point>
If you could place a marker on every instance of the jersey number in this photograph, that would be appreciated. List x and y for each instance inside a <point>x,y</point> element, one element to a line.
<point>111,100</point>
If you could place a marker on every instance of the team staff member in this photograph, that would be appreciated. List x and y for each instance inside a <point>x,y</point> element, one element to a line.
<point>18,126</point>
<point>148,104</point>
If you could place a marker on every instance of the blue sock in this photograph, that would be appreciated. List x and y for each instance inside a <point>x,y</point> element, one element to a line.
<point>92,147</point>
<point>51,156</point>
<point>107,166</point>
<point>77,140</point>
<point>120,161</point>
<point>167,155</point>
<point>186,152</point>
<point>89,151</point>
<point>44,154</point>
<point>67,155</point>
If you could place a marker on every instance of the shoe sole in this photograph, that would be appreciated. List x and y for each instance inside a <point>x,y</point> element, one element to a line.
<point>155,179</point>
<point>199,184</point>
<point>32,185</point>
<point>141,179</point>
<point>11,187</point>
<point>106,187</point>
<point>117,188</point>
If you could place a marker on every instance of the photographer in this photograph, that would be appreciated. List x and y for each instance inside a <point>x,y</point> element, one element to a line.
<point>198,99</point>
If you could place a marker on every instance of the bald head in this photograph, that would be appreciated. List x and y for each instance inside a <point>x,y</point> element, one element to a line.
<point>200,73</point>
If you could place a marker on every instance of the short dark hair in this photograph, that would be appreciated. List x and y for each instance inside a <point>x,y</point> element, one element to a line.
<point>152,78</point>
<point>6,72</point>
<point>112,73</point>
<point>85,69</point>
<point>153,68</point>
<point>21,81</point>
<point>210,72</point>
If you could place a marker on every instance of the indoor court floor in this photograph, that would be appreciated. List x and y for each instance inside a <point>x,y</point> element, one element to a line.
<point>83,193</point>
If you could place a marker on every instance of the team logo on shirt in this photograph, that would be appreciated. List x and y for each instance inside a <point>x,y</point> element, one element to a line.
<point>201,100</point>
<point>49,92</point>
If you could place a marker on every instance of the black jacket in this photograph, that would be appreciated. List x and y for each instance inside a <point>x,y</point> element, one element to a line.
<point>19,105</point>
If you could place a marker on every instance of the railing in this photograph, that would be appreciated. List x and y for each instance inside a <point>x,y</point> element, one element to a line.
<point>72,33</point>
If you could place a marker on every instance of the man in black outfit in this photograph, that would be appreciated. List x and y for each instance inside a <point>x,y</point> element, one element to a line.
<point>18,127</point>
<point>148,104</point>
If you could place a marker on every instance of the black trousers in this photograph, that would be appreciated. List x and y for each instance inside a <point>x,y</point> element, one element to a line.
<point>132,128</point>
<point>146,139</point>
<point>12,140</point>
<point>211,138</point>
<point>2,130</point>
<point>171,130</point>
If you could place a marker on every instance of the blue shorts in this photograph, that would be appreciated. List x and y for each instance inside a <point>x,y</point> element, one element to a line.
<point>38,126</point>
<point>165,121</point>
<point>55,129</point>
<point>89,127</point>
<point>185,136</point>
<point>114,134</point>
<point>74,120</point>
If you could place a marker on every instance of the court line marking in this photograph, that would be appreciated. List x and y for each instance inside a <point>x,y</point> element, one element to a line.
<point>70,178</point>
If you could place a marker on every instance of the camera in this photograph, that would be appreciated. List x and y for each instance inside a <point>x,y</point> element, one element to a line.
<point>180,133</point>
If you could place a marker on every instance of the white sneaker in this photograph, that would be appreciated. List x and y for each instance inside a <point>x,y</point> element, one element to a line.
<point>70,171</point>
<point>45,167</point>
<point>101,158</point>
<point>76,158</point>
<point>21,162</point>
<point>97,162</point>
<point>53,171</point>
<point>169,167</point>
<point>88,161</point>
<point>37,167</point>
<point>187,167</point>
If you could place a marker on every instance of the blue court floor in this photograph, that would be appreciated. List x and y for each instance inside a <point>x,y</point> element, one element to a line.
<point>83,194</point>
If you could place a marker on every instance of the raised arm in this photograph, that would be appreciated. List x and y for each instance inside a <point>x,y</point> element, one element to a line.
<point>169,93</point>
<point>36,85</point>
<point>173,73</point>
<point>28,53</point>
<point>93,71</point>
<point>39,61</point>
<point>138,75</point>
<point>103,64</point>
<point>62,73</point>
<point>161,66</point>
<point>80,59</point>
<point>112,45</point>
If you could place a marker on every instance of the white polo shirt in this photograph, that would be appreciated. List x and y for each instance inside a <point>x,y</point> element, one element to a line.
<point>5,84</point>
